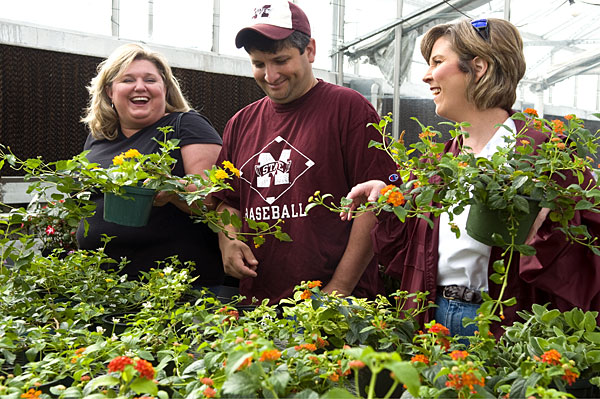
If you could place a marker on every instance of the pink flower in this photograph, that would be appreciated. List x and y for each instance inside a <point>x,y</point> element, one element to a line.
<point>50,230</point>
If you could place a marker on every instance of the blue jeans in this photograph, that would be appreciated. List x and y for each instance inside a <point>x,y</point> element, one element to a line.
<point>451,312</point>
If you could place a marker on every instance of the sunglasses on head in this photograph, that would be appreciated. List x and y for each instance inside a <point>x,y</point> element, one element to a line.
<point>482,29</point>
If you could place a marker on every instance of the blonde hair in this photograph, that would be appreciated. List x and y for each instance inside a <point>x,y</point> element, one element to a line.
<point>503,51</point>
<point>100,117</point>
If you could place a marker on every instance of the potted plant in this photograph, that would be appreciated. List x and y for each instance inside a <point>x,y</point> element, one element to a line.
<point>130,184</point>
<point>514,183</point>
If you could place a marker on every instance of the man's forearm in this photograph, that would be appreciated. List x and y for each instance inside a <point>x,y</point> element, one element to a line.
<point>356,258</point>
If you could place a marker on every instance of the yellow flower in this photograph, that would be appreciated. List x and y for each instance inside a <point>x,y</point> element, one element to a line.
<point>227,165</point>
<point>118,160</point>
<point>132,153</point>
<point>235,172</point>
<point>221,174</point>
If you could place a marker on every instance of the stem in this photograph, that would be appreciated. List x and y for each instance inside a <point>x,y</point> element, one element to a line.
<point>511,250</point>
<point>371,393</point>
<point>391,390</point>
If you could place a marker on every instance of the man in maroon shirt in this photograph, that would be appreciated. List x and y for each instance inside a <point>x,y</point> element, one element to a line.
<point>305,135</point>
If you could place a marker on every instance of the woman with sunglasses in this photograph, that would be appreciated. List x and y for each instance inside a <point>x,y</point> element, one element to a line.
<point>474,69</point>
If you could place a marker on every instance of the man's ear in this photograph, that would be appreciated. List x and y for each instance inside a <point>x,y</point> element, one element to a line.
<point>311,50</point>
<point>480,67</point>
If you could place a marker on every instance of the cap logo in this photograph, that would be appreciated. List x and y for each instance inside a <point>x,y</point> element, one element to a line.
<point>262,12</point>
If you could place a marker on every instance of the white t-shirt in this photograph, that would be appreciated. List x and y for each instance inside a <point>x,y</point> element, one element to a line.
<point>464,261</point>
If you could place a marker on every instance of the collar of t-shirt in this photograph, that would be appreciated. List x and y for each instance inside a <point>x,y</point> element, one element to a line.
<point>464,261</point>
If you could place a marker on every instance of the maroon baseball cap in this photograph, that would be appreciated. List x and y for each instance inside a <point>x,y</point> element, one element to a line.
<point>275,19</point>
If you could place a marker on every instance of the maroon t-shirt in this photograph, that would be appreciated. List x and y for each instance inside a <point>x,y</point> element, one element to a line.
<point>286,152</point>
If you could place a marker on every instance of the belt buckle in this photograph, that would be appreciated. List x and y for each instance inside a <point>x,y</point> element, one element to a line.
<point>446,292</point>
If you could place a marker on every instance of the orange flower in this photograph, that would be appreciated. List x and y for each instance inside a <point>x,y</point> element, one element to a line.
<point>246,363</point>
<point>569,117</point>
<point>396,199</point>
<point>145,369</point>
<point>438,328</point>
<point>551,357</point>
<point>313,284</point>
<point>321,343</point>
<point>334,377</point>
<point>356,364</point>
<point>426,133</point>
<point>420,358</point>
<point>555,139</point>
<point>80,351</point>
<point>380,324</point>
<point>207,381</point>
<point>524,142</point>
<point>561,146</point>
<point>85,378</point>
<point>531,111</point>
<point>308,347</point>
<point>31,394</point>
<point>459,381</point>
<point>119,363</point>
<point>209,392</point>
<point>456,355</point>
<point>463,164</point>
<point>558,126</point>
<point>387,188</point>
<point>305,295</point>
<point>271,354</point>
<point>537,124</point>
<point>570,376</point>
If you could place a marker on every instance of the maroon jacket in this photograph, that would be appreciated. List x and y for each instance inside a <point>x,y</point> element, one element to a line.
<point>565,275</point>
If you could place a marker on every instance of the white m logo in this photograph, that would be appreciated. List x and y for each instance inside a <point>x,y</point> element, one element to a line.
<point>268,166</point>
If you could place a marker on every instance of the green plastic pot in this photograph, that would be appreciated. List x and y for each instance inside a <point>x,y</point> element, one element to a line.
<point>130,209</point>
<point>482,222</point>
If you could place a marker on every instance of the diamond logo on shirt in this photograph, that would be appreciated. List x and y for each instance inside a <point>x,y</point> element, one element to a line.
<point>274,169</point>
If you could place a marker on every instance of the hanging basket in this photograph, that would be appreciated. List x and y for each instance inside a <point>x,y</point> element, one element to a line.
<point>130,209</point>
<point>482,222</point>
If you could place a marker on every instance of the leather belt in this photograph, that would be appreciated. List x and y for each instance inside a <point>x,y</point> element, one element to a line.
<point>460,293</point>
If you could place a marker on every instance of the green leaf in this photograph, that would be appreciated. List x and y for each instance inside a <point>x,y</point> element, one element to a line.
<point>241,385</point>
<point>281,236</point>
<point>337,393</point>
<point>225,217</point>
<point>103,380</point>
<point>525,250</point>
<point>583,205</point>
<point>279,380</point>
<point>400,213</point>
<point>593,337</point>
<point>589,321</point>
<point>521,204</point>
<point>519,181</point>
<point>407,374</point>
<point>144,385</point>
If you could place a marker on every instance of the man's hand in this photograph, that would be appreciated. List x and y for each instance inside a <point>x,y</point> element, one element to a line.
<point>238,259</point>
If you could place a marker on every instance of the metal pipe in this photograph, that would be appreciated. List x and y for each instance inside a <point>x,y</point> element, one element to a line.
<point>397,60</point>
<point>337,58</point>
<point>507,10</point>
<point>394,24</point>
<point>114,18</point>
<point>216,25</point>
<point>150,18</point>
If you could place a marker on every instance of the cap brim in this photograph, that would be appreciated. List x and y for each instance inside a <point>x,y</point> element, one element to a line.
<point>270,31</point>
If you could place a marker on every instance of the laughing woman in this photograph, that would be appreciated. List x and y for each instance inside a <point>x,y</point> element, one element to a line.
<point>133,95</point>
<point>474,69</point>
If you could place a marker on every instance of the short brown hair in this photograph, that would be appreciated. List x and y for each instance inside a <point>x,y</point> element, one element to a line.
<point>503,51</point>
<point>101,118</point>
